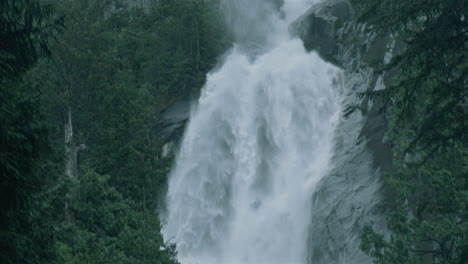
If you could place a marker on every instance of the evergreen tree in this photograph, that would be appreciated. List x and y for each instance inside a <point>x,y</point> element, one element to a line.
<point>112,69</point>
<point>426,106</point>
<point>26,27</point>
<point>26,235</point>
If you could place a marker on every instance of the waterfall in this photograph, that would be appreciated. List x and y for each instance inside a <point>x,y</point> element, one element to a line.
<point>256,146</point>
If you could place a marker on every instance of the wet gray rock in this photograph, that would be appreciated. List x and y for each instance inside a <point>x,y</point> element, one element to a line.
<point>174,117</point>
<point>346,200</point>
<point>353,194</point>
<point>330,29</point>
<point>319,27</point>
<point>178,111</point>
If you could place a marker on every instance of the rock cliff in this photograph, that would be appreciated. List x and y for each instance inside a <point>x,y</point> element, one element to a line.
<point>353,194</point>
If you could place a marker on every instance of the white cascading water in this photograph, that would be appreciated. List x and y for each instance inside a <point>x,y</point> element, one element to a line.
<point>256,146</point>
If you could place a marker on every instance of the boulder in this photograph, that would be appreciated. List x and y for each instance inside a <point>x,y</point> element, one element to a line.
<point>319,27</point>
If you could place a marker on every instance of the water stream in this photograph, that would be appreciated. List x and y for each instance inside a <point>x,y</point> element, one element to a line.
<point>258,143</point>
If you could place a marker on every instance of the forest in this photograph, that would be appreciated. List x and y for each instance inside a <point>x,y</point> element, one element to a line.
<point>426,108</point>
<point>82,87</point>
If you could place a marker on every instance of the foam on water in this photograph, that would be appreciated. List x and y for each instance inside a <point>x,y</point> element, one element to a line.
<point>257,144</point>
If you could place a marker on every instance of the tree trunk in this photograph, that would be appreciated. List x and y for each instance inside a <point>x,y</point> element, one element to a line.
<point>71,169</point>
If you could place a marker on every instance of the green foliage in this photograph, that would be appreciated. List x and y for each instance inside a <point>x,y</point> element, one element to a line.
<point>429,95</point>
<point>427,112</point>
<point>25,233</point>
<point>116,66</point>
<point>430,216</point>
<point>117,74</point>
<point>109,228</point>
<point>26,27</point>
<point>117,69</point>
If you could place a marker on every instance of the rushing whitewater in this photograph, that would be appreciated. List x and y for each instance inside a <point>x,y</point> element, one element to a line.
<point>256,146</point>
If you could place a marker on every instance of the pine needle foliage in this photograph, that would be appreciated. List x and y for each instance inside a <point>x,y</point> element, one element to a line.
<point>425,103</point>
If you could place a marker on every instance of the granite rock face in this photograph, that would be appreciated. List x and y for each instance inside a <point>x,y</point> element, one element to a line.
<point>353,194</point>
<point>319,27</point>
<point>330,29</point>
<point>172,124</point>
